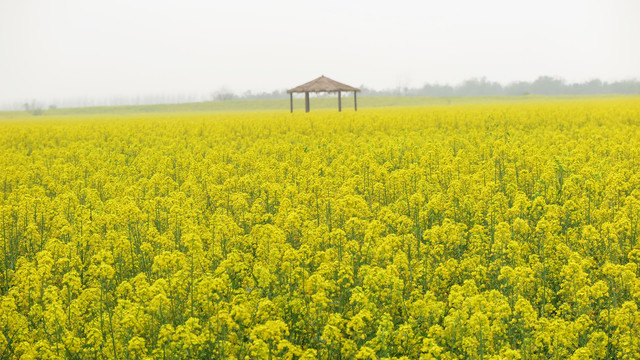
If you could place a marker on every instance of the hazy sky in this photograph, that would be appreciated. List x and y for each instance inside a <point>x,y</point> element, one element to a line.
<point>53,49</point>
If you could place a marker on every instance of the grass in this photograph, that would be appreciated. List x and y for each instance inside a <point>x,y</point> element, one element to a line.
<point>329,102</point>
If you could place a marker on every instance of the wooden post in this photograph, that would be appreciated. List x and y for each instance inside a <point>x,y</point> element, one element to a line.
<point>339,101</point>
<point>291,100</point>
<point>355,101</point>
<point>306,101</point>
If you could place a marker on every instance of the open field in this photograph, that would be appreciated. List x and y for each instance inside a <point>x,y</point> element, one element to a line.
<point>475,228</point>
<point>325,102</point>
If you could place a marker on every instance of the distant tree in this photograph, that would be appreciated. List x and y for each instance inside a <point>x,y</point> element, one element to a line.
<point>547,85</point>
<point>625,87</point>
<point>33,108</point>
<point>436,90</point>
<point>478,87</point>
<point>223,94</point>
<point>518,88</point>
<point>595,86</point>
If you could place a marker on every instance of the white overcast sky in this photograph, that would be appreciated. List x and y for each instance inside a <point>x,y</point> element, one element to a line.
<point>60,49</point>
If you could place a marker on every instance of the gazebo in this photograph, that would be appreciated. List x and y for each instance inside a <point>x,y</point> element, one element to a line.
<point>323,84</point>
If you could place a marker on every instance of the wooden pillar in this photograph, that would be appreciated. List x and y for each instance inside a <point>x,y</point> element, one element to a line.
<point>355,101</point>
<point>306,101</point>
<point>291,100</point>
<point>339,101</point>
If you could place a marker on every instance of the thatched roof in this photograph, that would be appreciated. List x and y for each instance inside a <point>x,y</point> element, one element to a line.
<point>322,84</point>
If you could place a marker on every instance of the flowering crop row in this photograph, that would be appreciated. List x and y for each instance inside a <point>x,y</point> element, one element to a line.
<point>473,231</point>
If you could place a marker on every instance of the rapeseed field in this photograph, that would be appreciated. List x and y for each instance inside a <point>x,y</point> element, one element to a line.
<point>485,231</point>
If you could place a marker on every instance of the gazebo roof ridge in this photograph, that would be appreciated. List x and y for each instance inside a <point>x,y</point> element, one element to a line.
<point>322,84</point>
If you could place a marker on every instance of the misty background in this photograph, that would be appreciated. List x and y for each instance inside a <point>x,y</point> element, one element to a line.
<point>544,85</point>
<point>69,53</point>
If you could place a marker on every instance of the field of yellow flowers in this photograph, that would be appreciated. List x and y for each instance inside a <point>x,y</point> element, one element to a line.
<point>446,232</point>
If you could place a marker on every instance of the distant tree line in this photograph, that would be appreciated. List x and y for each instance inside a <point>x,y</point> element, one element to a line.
<point>544,85</point>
